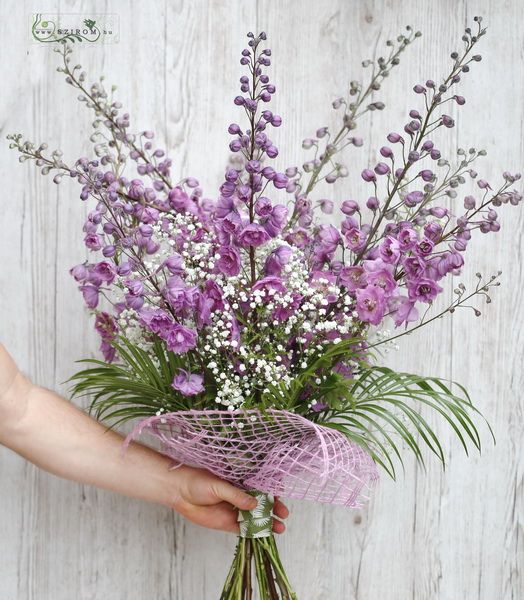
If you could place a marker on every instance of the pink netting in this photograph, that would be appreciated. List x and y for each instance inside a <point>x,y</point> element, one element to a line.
<point>277,452</point>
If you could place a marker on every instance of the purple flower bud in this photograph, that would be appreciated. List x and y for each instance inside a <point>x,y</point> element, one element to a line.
<point>368,175</point>
<point>386,152</point>
<point>280,180</point>
<point>326,206</point>
<point>272,151</point>
<point>356,141</point>
<point>239,100</point>
<point>268,172</point>
<point>146,230</point>
<point>447,121</point>
<point>460,245</point>
<point>438,211</point>
<point>123,268</point>
<point>322,132</point>
<point>227,189</point>
<point>427,145</point>
<point>469,202</point>
<point>253,166</point>
<point>191,182</point>
<point>414,114</point>
<point>134,302</point>
<point>394,138</point>
<point>382,169</point>
<point>276,121</point>
<point>459,100</point>
<point>109,251</point>
<point>231,175</point>
<point>419,89</point>
<point>435,154</point>
<point>413,198</point>
<point>483,184</point>
<point>372,203</point>
<point>413,156</point>
<point>349,207</point>
<point>426,175</point>
<point>79,272</point>
<point>152,247</point>
<point>485,227</point>
<point>235,145</point>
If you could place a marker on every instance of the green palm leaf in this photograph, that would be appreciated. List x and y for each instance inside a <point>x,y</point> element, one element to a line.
<point>138,386</point>
<point>382,406</point>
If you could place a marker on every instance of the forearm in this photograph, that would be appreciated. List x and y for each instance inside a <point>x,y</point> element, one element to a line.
<point>53,434</point>
<point>58,437</point>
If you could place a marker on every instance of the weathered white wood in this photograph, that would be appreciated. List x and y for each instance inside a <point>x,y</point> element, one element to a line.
<point>432,535</point>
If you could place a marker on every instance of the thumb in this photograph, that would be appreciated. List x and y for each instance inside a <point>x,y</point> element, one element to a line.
<point>235,496</point>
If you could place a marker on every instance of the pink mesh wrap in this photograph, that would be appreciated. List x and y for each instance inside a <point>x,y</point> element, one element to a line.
<point>277,452</point>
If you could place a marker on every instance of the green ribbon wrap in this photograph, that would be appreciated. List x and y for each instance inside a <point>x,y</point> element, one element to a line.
<point>257,523</point>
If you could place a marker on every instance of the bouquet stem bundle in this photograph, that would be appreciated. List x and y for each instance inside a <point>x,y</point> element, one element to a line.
<point>256,547</point>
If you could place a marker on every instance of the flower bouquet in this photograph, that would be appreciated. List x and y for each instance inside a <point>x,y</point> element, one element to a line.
<point>242,330</point>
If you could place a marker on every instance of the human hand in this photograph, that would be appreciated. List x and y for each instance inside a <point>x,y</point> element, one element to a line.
<point>212,502</point>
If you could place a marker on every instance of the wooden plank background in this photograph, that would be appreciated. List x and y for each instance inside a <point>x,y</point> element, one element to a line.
<point>429,535</point>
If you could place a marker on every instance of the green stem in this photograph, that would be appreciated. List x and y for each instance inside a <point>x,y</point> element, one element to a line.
<point>262,552</point>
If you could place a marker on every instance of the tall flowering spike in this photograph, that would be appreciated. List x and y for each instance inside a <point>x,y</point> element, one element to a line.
<point>250,220</point>
<point>253,143</point>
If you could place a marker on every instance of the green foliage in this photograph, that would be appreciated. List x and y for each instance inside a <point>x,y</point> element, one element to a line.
<point>138,386</point>
<point>379,409</point>
<point>382,406</point>
<point>304,389</point>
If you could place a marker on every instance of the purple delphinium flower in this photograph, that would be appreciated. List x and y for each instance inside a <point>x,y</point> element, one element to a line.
<point>179,297</point>
<point>371,304</point>
<point>79,272</point>
<point>270,283</point>
<point>274,223</point>
<point>253,234</point>
<point>157,321</point>
<point>105,271</point>
<point>181,339</point>
<point>404,310</point>
<point>90,293</point>
<point>353,278</point>
<point>106,327</point>
<point>188,384</point>
<point>389,250</point>
<point>276,261</point>
<point>229,261</point>
<point>423,290</point>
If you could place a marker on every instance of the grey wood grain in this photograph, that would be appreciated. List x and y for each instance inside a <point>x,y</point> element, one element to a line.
<point>431,534</point>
